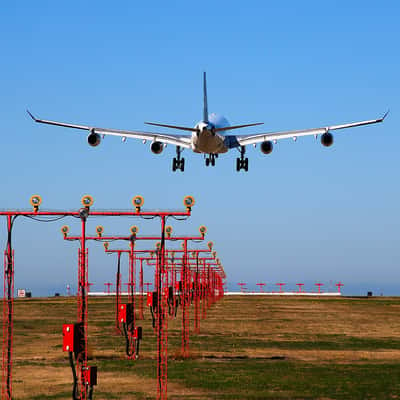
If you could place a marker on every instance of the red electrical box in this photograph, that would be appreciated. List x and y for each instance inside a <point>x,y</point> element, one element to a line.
<point>73,339</point>
<point>137,333</point>
<point>91,376</point>
<point>152,299</point>
<point>149,299</point>
<point>125,313</point>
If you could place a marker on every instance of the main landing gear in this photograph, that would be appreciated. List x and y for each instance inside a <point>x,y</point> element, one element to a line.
<point>210,159</point>
<point>178,162</point>
<point>242,162</point>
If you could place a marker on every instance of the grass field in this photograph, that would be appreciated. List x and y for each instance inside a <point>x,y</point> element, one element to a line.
<point>254,347</point>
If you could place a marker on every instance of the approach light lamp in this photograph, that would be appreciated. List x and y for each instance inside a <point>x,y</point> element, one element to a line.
<point>87,201</point>
<point>35,201</point>
<point>158,245</point>
<point>214,254</point>
<point>65,230</point>
<point>210,245</point>
<point>106,244</point>
<point>99,230</point>
<point>183,245</point>
<point>188,202</point>
<point>134,230</point>
<point>168,230</point>
<point>202,230</point>
<point>137,202</point>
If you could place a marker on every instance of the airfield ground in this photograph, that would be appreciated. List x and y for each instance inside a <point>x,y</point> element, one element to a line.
<point>249,348</point>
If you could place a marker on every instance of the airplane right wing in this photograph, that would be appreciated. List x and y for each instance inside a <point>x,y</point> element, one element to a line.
<point>244,140</point>
<point>176,140</point>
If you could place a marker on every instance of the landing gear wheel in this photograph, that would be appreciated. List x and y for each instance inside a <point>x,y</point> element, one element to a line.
<point>207,162</point>
<point>213,160</point>
<point>178,162</point>
<point>242,163</point>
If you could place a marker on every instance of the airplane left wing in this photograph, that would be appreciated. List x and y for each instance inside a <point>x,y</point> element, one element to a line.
<point>176,140</point>
<point>244,140</point>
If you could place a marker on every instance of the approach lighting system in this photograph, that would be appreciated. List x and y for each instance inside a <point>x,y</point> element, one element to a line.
<point>65,230</point>
<point>87,201</point>
<point>138,202</point>
<point>106,244</point>
<point>99,230</point>
<point>202,230</point>
<point>210,245</point>
<point>188,202</point>
<point>35,201</point>
<point>168,231</point>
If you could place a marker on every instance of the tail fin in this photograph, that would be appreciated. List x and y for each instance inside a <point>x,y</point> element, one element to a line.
<point>205,106</point>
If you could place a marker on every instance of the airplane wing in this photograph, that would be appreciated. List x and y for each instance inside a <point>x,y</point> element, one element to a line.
<point>176,140</point>
<point>244,140</point>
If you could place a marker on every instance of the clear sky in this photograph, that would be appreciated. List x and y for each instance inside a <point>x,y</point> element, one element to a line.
<point>305,213</point>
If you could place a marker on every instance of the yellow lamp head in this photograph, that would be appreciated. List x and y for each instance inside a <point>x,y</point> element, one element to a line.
<point>87,201</point>
<point>138,202</point>
<point>35,201</point>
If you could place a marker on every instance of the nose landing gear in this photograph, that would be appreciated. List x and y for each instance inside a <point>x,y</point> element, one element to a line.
<point>242,162</point>
<point>178,162</point>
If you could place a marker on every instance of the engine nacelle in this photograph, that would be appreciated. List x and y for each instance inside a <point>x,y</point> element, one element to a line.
<point>93,139</point>
<point>157,147</point>
<point>327,139</point>
<point>267,147</point>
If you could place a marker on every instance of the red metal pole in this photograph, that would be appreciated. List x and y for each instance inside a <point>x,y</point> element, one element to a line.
<point>280,286</point>
<point>300,285</point>
<point>261,285</point>
<point>319,287</point>
<point>108,285</point>
<point>141,294</point>
<point>339,286</point>
<point>117,292</point>
<point>82,310</point>
<point>8,311</point>
<point>162,321</point>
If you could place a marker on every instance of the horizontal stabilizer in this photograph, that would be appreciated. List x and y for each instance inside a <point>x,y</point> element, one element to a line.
<point>228,128</point>
<point>182,128</point>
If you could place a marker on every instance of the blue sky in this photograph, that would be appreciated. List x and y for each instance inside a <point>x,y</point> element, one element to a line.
<point>302,214</point>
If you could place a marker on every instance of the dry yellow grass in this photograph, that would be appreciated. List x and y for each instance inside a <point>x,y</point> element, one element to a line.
<point>251,327</point>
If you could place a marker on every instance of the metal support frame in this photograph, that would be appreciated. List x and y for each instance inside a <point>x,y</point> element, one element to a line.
<point>82,277</point>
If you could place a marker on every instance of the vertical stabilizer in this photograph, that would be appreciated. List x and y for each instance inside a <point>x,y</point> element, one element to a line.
<point>205,106</point>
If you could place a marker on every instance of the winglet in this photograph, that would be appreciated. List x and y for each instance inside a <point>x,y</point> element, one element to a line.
<point>385,115</point>
<point>31,115</point>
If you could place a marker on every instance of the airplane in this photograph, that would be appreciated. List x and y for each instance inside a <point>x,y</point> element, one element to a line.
<point>208,136</point>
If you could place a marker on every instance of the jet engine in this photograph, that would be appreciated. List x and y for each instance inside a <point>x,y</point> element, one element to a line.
<point>93,139</point>
<point>327,139</point>
<point>267,147</point>
<point>157,147</point>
